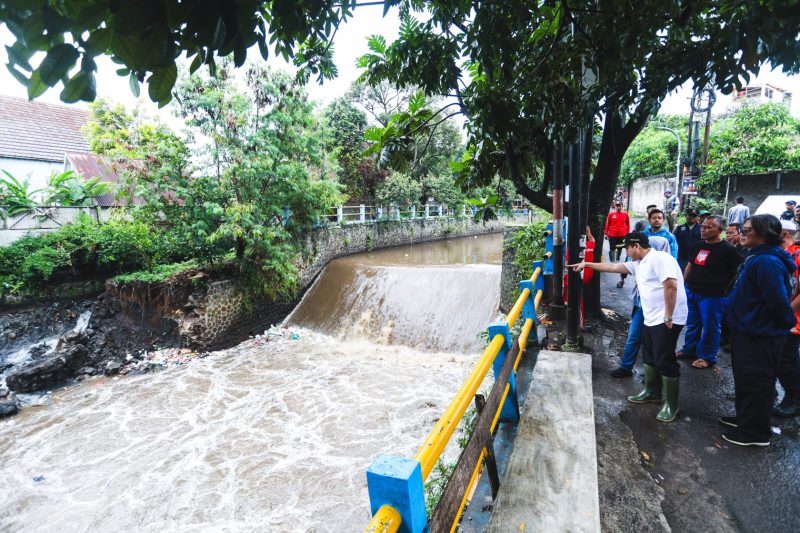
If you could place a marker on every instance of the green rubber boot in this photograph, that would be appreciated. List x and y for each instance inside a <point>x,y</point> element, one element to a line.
<point>670,408</point>
<point>652,387</point>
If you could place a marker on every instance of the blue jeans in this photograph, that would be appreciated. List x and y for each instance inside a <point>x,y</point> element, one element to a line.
<point>634,341</point>
<point>703,325</point>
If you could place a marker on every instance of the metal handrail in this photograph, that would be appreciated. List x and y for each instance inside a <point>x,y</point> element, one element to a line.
<point>434,445</point>
<point>386,520</point>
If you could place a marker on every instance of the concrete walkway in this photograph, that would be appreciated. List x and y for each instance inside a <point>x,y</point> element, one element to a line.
<point>550,482</point>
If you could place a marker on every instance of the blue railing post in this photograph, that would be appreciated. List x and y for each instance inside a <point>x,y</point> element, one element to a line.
<point>397,481</point>
<point>510,411</point>
<point>528,308</point>
<point>548,247</point>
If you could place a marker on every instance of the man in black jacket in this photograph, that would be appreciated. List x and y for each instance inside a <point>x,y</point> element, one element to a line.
<point>687,235</point>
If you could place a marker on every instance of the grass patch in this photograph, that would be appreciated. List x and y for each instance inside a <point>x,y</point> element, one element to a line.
<point>157,274</point>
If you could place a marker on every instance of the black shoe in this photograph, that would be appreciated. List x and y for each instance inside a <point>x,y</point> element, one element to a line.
<point>734,437</point>
<point>621,373</point>
<point>728,421</point>
<point>787,409</point>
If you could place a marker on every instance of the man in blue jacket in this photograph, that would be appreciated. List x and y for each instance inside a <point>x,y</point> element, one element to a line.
<point>656,219</point>
<point>760,317</point>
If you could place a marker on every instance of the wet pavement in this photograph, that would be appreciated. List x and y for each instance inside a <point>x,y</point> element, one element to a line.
<point>683,476</point>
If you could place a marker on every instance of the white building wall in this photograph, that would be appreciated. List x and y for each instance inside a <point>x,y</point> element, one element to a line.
<point>646,191</point>
<point>36,172</point>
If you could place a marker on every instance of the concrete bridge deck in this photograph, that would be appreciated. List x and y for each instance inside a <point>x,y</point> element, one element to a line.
<point>550,482</point>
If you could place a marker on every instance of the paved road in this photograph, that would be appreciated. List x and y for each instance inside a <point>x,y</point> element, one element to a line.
<point>682,476</point>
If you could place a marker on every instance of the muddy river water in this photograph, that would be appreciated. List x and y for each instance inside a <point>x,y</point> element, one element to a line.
<point>276,433</point>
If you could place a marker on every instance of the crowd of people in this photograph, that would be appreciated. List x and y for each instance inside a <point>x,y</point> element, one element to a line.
<point>719,281</point>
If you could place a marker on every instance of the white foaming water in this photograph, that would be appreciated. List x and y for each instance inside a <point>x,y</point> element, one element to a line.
<point>23,354</point>
<point>266,436</point>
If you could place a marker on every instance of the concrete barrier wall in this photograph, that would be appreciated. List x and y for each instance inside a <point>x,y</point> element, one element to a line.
<point>646,191</point>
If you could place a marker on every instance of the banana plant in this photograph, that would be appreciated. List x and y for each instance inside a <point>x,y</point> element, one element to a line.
<point>15,194</point>
<point>69,189</point>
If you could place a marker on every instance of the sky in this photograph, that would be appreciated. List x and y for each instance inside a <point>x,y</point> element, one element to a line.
<point>349,44</point>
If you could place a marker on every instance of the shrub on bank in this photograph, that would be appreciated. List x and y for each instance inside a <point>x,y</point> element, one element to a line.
<point>82,250</point>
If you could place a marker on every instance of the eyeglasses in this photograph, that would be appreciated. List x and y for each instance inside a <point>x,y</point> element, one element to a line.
<point>744,230</point>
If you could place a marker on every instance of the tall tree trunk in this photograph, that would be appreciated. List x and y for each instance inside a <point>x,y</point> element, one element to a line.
<point>617,137</point>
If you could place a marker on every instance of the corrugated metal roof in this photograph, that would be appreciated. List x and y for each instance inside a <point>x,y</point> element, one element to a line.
<point>93,166</point>
<point>39,131</point>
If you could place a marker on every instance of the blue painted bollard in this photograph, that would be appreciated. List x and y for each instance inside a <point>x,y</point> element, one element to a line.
<point>397,481</point>
<point>510,410</point>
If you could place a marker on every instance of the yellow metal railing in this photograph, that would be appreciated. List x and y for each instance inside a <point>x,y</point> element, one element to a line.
<point>388,519</point>
<point>434,445</point>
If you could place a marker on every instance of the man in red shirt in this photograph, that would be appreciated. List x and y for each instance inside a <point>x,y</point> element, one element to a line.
<point>618,224</point>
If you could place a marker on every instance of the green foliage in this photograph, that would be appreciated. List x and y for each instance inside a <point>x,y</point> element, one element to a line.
<point>158,273</point>
<point>528,243</point>
<point>527,74</point>
<point>83,248</point>
<point>15,194</point>
<point>443,190</point>
<point>654,151</point>
<point>69,189</point>
<point>146,38</point>
<point>265,153</point>
<point>753,139</point>
<point>344,138</point>
<point>399,189</point>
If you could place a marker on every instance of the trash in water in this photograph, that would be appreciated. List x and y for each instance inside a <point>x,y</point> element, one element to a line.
<point>295,336</point>
<point>39,479</point>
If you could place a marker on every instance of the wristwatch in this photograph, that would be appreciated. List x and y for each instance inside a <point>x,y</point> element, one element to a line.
<point>667,319</point>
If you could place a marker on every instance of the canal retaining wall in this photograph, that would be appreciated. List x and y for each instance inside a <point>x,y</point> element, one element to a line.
<point>219,313</point>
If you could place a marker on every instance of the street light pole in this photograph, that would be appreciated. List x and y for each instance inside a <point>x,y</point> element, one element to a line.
<point>678,161</point>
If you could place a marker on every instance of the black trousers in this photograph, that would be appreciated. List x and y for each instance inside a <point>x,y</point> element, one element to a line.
<point>658,348</point>
<point>613,251</point>
<point>789,368</point>
<point>755,362</point>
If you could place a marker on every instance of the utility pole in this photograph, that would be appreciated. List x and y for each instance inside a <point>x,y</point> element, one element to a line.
<point>677,159</point>
<point>557,306</point>
<point>702,102</point>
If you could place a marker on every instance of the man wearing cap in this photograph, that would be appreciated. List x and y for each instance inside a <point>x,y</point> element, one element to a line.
<point>687,235</point>
<point>671,207</point>
<point>789,213</point>
<point>663,299</point>
<point>712,267</point>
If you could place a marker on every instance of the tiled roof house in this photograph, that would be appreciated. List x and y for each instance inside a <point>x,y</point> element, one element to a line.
<point>35,138</point>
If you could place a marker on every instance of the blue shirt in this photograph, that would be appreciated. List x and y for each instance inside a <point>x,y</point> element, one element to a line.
<point>673,244</point>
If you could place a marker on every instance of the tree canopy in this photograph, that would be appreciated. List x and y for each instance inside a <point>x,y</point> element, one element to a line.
<point>146,37</point>
<point>526,74</point>
<point>751,139</point>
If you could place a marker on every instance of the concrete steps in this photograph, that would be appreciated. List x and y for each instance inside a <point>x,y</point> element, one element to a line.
<point>551,479</point>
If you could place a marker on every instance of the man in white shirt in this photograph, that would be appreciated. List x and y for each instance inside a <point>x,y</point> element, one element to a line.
<point>663,298</point>
<point>738,213</point>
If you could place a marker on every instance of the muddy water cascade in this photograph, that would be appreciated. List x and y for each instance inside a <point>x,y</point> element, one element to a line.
<point>276,433</point>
